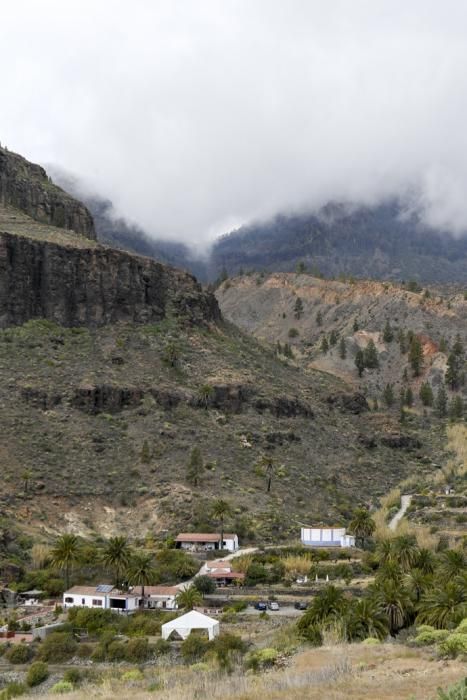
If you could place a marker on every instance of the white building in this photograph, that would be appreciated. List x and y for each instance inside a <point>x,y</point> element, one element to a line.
<point>206,541</point>
<point>158,596</point>
<point>222,573</point>
<point>326,537</point>
<point>102,597</point>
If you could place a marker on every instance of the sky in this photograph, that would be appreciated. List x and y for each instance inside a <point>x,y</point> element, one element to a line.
<point>197,116</point>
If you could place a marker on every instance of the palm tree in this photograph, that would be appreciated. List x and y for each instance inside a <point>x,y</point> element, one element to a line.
<point>66,553</point>
<point>384,552</point>
<point>417,583</point>
<point>426,560</point>
<point>187,598</point>
<point>444,607</point>
<point>362,525</point>
<point>406,551</point>
<point>329,604</point>
<point>116,555</point>
<point>394,600</point>
<point>390,571</point>
<point>205,393</point>
<point>141,571</point>
<point>452,563</point>
<point>26,477</point>
<point>220,509</point>
<point>268,463</point>
<point>366,619</point>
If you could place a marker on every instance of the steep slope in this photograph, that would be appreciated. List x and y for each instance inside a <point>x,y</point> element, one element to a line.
<point>27,187</point>
<point>267,308</point>
<point>380,242</point>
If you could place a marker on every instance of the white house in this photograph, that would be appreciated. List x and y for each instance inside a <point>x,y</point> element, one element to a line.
<point>207,541</point>
<point>185,624</point>
<point>158,596</point>
<point>103,597</point>
<point>326,537</point>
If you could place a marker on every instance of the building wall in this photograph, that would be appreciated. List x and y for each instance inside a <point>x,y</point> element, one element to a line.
<point>323,537</point>
<point>157,601</point>
<point>85,601</point>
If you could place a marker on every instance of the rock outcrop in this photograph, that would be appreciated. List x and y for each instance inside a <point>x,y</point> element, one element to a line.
<point>93,286</point>
<point>27,187</point>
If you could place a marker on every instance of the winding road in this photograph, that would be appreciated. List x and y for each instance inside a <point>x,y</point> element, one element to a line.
<point>405,503</point>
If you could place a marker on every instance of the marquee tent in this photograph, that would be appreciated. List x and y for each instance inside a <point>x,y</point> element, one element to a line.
<point>192,620</point>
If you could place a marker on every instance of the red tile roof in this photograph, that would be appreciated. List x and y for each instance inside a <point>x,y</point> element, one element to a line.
<point>226,574</point>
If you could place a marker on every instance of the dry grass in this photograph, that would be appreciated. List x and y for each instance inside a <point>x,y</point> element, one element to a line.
<point>349,672</point>
<point>457,442</point>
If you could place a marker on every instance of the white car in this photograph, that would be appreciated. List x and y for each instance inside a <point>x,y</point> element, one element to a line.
<point>272,605</point>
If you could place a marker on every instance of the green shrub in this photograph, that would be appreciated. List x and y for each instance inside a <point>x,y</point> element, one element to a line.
<point>371,641</point>
<point>162,646</point>
<point>194,647</point>
<point>430,636</point>
<point>204,584</point>
<point>133,675</point>
<point>116,651</point>
<point>462,627</point>
<point>20,654</point>
<point>62,687</point>
<point>455,692</point>
<point>312,634</point>
<point>13,690</point>
<point>37,674</point>
<point>58,646</point>
<point>84,651</point>
<point>239,605</point>
<point>262,658</point>
<point>454,645</point>
<point>200,666</point>
<point>137,650</point>
<point>73,676</point>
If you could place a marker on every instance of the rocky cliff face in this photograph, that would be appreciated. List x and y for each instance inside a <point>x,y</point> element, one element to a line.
<point>92,286</point>
<point>26,186</point>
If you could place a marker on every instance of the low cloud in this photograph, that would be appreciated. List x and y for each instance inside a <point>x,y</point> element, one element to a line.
<point>194,117</point>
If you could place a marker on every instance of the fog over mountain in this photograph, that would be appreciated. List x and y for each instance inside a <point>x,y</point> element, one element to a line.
<point>195,118</point>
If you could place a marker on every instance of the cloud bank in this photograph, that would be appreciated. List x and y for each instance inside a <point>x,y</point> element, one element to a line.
<point>195,116</point>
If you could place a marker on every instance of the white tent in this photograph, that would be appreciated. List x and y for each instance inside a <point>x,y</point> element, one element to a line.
<point>192,620</point>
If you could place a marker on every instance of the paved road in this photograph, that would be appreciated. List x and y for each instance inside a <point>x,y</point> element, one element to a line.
<point>405,503</point>
<point>284,611</point>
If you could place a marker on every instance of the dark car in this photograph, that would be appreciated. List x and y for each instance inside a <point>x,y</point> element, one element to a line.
<point>261,605</point>
<point>301,605</point>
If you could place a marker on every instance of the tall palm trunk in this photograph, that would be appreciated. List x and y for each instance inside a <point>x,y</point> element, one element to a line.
<point>222,532</point>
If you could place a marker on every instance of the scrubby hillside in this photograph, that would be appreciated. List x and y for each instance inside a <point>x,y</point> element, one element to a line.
<point>326,323</point>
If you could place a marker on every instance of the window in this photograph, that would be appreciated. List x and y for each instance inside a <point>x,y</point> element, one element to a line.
<point>83,601</point>
<point>69,600</point>
<point>97,601</point>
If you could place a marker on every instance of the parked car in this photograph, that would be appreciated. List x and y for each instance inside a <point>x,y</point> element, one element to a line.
<point>301,605</point>
<point>273,605</point>
<point>261,605</point>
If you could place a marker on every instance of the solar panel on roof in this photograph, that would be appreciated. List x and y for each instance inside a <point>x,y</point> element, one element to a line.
<point>104,588</point>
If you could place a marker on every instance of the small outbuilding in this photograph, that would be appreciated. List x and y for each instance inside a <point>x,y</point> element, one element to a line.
<point>326,537</point>
<point>206,541</point>
<point>185,624</point>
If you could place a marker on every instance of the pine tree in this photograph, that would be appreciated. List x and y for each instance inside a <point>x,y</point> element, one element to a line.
<point>409,397</point>
<point>195,467</point>
<point>298,308</point>
<point>388,395</point>
<point>402,340</point>
<point>342,349</point>
<point>356,327</point>
<point>452,371</point>
<point>370,355</point>
<point>319,318</point>
<point>426,394</point>
<point>360,362</point>
<point>324,345</point>
<point>458,347</point>
<point>441,402</point>
<point>416,355</point>
<point>301,267</point>
<point>145,454</point>
<point>333,338</point>
<point>388,334</point>
<point>456,407</point>
<point>443,346</point>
